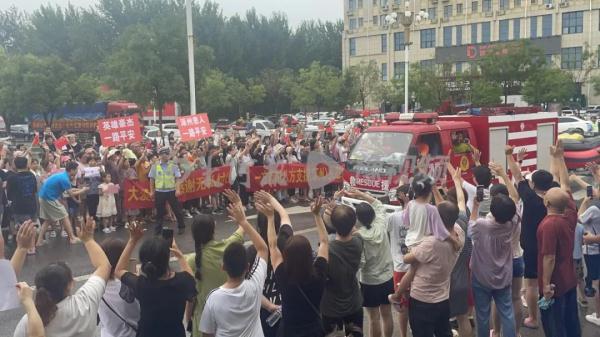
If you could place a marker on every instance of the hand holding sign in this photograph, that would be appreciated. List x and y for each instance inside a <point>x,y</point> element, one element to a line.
<point>194,127</point>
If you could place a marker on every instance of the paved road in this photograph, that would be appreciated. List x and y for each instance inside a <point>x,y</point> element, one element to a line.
<point>76,258</point>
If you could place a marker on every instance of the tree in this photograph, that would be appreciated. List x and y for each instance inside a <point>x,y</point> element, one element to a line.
<point>214,94</point>
<point>29,84</point>
<point>428,86</point>
<point>549,85</point>
<point>510,65</point>
<point>392,92</point>
<point>367,78</point>
<point>244,96</point>
<point>484,93</point>
<point>317,86</point>
<point>278,85</point>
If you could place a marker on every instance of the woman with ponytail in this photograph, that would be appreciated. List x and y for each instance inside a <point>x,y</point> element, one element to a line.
<point>206,263</point>
<point>162,293</point>
<point>63,314</point>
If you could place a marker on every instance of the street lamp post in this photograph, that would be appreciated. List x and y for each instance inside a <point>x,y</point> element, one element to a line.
<point>191,68</point>
<point>407,18</point>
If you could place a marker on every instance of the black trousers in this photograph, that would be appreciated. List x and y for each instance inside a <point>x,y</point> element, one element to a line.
<point>429,319</point>
<point>160,201</point>
<point>91,202</point>
<point>562,319</point>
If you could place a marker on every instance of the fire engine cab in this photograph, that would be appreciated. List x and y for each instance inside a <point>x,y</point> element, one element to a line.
<point>385,157</point>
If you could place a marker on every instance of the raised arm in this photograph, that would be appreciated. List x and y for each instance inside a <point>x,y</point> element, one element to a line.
<point>25,241</point>
<point>266,208</point>
<point>356,194</point>
<point>181,259</point>
<point>557,153</point>
<point>35,326</point>
<point>97,256</point>
<point>514,168</point>
<point>237,214</point>
<point>499,172</point>
<point>136,232</point>
<point>315,208</point>
<point>457,179</point>
<point>234,198</point>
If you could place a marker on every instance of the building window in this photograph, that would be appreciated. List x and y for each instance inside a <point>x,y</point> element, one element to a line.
<point>353,24</point>
<point>572,22</point>
<point>352,4</point>
<point>398,41</point>
<point>360,22</point>
<point>570,58</point>
<point>547,25</point>
<point>474,7</point>
<point>398,69</point>
<point>352,45</point>
<point>486,6</point>
<point>503,30</point>
<point>459,8</point>
<point>459,67</point>
<point>360,3</point>
<point>383,3</point>
<point>447,11</point>
<point>375,20</point>
<point>432,12</point>
<point>533,27</point>
<point>447,36</point>
<point>503,4</point>
<point>459,35</point>
<point>516,29</point>
<point>427,63</point>
<point>473,33</point>
<point>486,32</point>
<point>548,59</point>
<point>384,76</point>
<point>384,39</point>
<point>428,38</point>
<point>517,3</point>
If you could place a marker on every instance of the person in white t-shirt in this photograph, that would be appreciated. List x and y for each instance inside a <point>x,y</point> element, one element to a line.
<point>119,311</point>
<point>234,308</point>
<point>63,314</point>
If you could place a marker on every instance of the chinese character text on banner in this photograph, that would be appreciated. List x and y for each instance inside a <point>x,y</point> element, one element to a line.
<point>194,127</point>
<point>121,130</point>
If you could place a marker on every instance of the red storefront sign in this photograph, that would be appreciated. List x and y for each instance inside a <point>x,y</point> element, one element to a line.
<point>121,130</point>
<point>194,127</point>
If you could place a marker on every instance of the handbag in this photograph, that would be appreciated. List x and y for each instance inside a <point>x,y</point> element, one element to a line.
<point>120,317</point>
<point>335,332</point>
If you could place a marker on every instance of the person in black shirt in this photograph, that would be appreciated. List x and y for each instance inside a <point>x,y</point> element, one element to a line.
<point>21,190</point>
<point>162,293</point>
<point>301,279</point>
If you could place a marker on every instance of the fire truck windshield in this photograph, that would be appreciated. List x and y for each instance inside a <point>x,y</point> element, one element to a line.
<point>387,147</point>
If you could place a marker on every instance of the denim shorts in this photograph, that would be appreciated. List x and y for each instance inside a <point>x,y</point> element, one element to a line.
<point>518,267</point>
<point>592,264</point>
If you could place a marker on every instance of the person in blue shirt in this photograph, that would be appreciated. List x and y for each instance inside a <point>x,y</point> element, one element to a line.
<point>51,209</point>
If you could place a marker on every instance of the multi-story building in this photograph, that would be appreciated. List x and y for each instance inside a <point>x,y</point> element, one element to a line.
<point>458,32</point>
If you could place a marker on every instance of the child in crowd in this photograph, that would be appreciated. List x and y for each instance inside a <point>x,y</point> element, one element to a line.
<point>107,208</point>
<point>73,204</point>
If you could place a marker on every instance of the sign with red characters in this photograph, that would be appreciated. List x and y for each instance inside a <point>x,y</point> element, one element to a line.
<point>121,130</point>
<point>194,127</point>
<point>284,176</point>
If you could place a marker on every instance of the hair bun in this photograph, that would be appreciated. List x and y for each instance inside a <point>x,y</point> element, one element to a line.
<point>150,270</point>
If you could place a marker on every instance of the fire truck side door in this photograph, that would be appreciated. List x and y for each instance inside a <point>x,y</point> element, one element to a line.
<point>498,141</point>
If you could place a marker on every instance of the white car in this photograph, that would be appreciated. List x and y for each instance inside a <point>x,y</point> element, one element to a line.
<point>154,135</point>
<point>263,127</point>
<point>574,123</point>
<point>22,129</point>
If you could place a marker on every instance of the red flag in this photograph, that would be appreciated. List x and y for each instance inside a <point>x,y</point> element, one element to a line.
<point>60,142</point>
<point>36,139</point>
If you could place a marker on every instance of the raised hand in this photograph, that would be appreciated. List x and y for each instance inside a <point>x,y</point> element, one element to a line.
<point>233,197</point>
<point>87,230</point>
<point>136,231</point>
<point>508,150</point>
<point>315,207</point>
<point>265,208</point>
<point>25,236</point>
<point>522,154</point>
<point>25,292</point>
<point>476,154</point>
<point>496,169</point>
<point>236,213</point>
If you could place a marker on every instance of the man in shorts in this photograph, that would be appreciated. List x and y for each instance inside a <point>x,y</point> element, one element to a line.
<point>51,209</point>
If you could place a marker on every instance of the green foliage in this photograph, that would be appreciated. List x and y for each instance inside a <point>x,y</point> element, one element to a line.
<point>366,79</point>
<point>392,92</point>
<point>510,65</point>
<point>549,85</point>
<point>316,87</point>
<point>484,93</point>
<point>428,86</point>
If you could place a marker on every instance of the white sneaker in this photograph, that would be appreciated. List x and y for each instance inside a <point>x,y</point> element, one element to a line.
<point>107,230</point>
<point>63,234</point>
<point>127,225</point>
<point>592,318</point>
<point>113,228</point>
<point>52,234</point>
<point>187,214</point>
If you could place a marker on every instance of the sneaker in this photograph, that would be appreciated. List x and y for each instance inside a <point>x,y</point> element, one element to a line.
<point>127,225</point>
<point>195,211</point>
<point>249,207</point>
<point>589,292</point>
<point>592,318</point>
<point>217,211</point>
<point>186,214</point>
<point>582,302</point>
<point>63,234</point>
<point>113,228</point>
<point>52,234</point>
<point>106,230</point>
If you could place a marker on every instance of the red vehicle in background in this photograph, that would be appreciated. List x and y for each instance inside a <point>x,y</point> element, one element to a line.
<point>385,156</point>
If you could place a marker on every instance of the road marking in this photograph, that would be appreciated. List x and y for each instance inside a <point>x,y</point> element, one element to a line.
<point>290,211</point>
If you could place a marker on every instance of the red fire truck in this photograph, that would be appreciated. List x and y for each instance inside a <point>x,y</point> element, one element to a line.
<point>385,155</point>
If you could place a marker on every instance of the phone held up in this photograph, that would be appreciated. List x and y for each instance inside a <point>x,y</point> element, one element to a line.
<point>479,195</point>
<point>167,234</point>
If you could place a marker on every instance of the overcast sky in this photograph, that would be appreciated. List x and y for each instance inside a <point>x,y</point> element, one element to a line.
<point>296,10</point>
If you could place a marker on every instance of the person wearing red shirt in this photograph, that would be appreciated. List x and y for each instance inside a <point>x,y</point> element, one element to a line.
<point>556,270</point>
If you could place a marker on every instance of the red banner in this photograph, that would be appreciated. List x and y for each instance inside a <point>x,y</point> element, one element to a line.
<point>194,127</point>
<point>121,130</point>
<point>197,185</point>
<point>284,176</point>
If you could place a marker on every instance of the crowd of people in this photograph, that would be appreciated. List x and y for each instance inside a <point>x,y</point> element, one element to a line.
<point>447,254</point>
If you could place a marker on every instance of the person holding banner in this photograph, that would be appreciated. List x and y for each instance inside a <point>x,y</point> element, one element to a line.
<point>163,185</point>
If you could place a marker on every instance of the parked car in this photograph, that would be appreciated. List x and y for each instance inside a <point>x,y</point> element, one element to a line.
<point>288,120</point>
<point>575,123</point>
<point>22,129</point>
<point>568,112</point>
<point>154,135</point>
